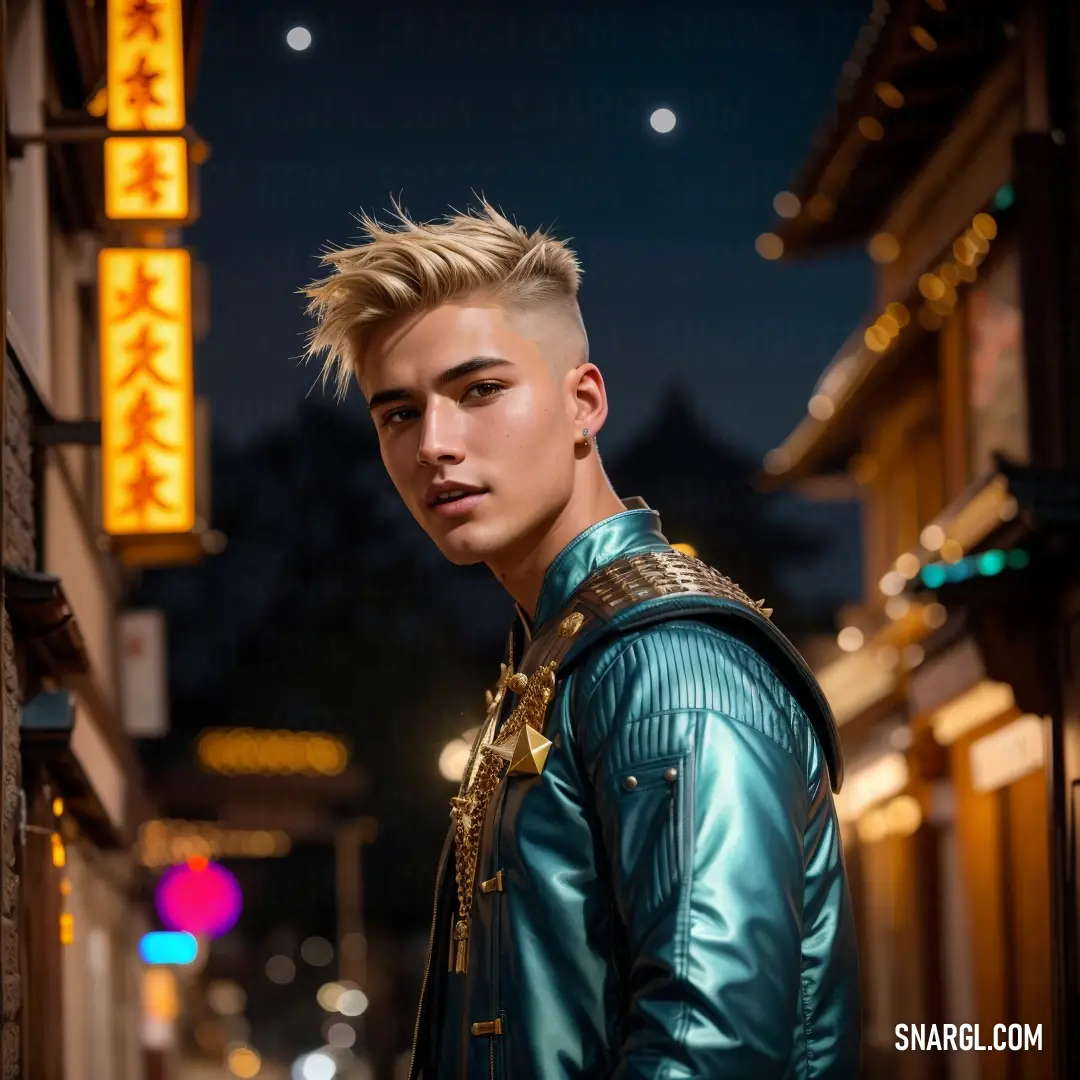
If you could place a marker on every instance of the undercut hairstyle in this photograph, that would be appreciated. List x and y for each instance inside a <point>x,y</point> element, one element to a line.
<point>407,267</point>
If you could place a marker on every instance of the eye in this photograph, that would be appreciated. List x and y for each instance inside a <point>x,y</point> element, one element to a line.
<point>397,416</point>
<point>483,390</point>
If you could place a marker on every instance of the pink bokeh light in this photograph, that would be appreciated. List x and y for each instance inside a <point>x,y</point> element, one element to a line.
<point>199,897</point>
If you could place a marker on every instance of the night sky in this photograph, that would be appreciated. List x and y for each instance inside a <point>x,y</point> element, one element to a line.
<point>544,109</point>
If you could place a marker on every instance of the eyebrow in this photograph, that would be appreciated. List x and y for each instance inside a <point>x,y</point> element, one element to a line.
<point>450,375</point>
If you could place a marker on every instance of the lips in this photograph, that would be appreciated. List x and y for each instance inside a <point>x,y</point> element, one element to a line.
<point>440,495</point>
<point>460,506</point>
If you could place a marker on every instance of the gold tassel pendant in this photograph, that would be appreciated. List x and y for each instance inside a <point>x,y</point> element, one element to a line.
<point>460,950</point>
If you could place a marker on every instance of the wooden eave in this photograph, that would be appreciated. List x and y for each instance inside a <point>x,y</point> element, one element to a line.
<point>860,177</point>
<point>43,622</point>
<point>853,381</point>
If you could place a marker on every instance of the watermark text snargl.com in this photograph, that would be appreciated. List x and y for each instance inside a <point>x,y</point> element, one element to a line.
<point>1002,1037</point>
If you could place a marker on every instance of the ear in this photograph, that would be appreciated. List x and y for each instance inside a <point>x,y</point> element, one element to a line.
<point>586,398</point>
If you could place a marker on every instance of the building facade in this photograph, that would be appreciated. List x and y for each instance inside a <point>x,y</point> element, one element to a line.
<point>951,415</point>
<point>74,904</point>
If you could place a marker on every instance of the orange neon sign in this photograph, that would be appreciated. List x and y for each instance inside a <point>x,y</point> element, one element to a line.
<point>145,69</point>
<point>147,398</point>
<point>146,179</point>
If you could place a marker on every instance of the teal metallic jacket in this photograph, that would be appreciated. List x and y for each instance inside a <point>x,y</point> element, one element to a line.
<point>657,885</point>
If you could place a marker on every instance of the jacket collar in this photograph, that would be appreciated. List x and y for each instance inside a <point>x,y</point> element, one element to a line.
<point>635,530</point>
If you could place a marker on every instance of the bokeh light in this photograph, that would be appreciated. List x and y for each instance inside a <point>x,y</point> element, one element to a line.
<point>244,1062</point>
<point>200,897</point>
<point>317,951</point>
<point>280,970</point>
<point>225,997</point>
<point>329,995</point>
<point>454,758</point>
<point>883,248</point>
<point>316,1066</point>
<point>769,246</point>
<point>352,1003</point>
<point>168,947</point>
<point>253,752</point>
<point>341,1035</point>
<point>787,204</point>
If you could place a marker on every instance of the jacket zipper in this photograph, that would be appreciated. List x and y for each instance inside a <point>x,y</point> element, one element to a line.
<point>427,972</point>
<point>496,923</point>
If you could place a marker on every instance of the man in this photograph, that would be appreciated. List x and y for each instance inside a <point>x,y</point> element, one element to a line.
<point>644,875</point>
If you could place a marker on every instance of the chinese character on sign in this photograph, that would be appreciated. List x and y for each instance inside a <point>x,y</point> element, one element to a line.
<point>141,420</point>
<point>143,489</point>
<point>137,298</point>
<point>141,16</point>
<point>148,177</point>
<point>140,90</point>
<point>143,348</point>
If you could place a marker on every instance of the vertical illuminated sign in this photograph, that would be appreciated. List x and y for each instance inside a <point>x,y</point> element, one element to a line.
<point>147,399</point>
<point>146,179</point>
<point>145,69</point>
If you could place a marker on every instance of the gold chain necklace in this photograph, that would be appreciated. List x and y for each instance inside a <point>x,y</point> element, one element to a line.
<point>470,807</point>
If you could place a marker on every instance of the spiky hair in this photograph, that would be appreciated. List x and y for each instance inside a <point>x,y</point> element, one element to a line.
<point>408,267</point>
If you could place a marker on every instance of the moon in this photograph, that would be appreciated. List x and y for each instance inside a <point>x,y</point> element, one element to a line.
<point>663,121</point>
<point>298,38</point>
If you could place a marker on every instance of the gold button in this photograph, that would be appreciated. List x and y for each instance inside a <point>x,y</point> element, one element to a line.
<point>519,682</point>
<point>630,783</point>
<point>670,775</point>
<point>494,884</point>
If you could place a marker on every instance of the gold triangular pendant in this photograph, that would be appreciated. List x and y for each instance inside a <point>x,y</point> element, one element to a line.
<point>530,753</point>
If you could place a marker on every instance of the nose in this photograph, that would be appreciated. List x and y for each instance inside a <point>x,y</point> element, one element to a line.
<point>441,441</point>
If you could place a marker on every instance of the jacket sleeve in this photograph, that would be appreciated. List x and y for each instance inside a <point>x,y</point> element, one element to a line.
<point>700,779</point>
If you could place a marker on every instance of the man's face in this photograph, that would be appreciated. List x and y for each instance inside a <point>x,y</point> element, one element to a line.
<point>476,427</point>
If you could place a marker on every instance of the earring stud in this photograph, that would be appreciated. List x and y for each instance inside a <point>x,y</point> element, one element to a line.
<point>586,433</point>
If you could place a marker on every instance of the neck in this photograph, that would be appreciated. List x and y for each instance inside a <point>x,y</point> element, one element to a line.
<point>521,571</point>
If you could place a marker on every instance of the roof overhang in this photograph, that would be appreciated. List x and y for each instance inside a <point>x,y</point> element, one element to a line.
<point>820,447</point>
<point>817,452</point>
<point>56,732</point>
<point>916,68</point>
<point>1013,505</point>
<point>43,622</point>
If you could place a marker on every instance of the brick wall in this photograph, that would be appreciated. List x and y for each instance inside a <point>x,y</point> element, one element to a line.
<point>19,550</point>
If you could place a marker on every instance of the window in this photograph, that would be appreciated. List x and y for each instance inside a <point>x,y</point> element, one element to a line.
<point>997,396</point>
<point>908,490</point>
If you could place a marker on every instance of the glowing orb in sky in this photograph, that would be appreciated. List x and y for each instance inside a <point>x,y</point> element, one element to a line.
<point>662,120</point>
<point>298,38</point>
<point>199,897</point>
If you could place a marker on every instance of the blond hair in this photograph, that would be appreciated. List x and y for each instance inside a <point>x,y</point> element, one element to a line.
<point>408,268</point>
